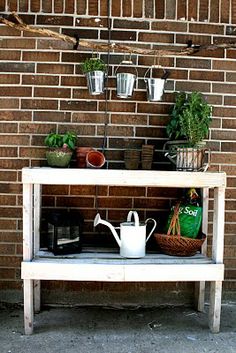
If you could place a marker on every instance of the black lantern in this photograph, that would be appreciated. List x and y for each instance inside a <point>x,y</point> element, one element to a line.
<point>64,230</point>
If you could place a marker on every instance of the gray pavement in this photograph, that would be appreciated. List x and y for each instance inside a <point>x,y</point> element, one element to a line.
<point>117,330</point>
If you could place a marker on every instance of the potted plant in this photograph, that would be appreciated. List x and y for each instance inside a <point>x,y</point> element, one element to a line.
<point>94,69</point>
<point>60,148</point>
<point>187,128</point>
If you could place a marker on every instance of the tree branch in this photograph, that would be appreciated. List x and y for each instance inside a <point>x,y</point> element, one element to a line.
<point>117,47</point>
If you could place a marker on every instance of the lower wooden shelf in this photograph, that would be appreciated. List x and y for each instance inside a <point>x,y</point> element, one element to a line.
<point>108,266</point>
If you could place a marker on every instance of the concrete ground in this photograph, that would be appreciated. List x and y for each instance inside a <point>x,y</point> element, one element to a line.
<point>117,330</point>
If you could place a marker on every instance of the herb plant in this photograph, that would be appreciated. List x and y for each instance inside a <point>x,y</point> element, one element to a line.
<point>67,140</point>
<point>190,118</point>
<point>93,64</point>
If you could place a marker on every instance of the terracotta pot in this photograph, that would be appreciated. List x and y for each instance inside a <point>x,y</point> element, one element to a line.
<point>81,153</point>
<point>95,159</point>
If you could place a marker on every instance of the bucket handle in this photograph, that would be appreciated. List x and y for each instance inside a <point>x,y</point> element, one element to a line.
<point>126,63</point>
<point>163,77</point>
<point>136,217</point>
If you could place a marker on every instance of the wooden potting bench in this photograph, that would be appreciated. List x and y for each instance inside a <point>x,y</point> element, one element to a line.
<point>96,266</point>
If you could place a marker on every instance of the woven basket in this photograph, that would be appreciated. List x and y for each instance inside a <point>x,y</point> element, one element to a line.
<point>176,245</point>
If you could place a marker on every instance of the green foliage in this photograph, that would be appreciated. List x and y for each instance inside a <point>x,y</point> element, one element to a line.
<point>67,140</point>
<point>190,118</point>
<point>93,64</point>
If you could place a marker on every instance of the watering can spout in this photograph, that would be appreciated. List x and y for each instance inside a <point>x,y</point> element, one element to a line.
<point>98,220</point>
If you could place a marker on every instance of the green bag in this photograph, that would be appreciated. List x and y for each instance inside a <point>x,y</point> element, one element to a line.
<point>190,220</point>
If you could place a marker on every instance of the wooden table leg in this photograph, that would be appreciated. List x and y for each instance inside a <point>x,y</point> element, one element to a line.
<point>28,306</point>
<point>215,306</point>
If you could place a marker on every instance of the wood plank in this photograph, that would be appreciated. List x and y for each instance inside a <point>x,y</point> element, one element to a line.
<point>37,216</point>
<point>218,225</point>
<point>28,306</point>
<point>215,306</point>
<point>27,222</point>
<point>122,177</point>
<point>112,257</point>
<point>73,270</point>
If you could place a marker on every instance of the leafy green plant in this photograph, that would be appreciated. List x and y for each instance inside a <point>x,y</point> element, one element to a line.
<point>67,140</point>
<point>190,118</point>
<point>93,64</point>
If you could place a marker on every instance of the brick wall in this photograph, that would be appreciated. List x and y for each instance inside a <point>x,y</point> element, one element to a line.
<point>43,90</point>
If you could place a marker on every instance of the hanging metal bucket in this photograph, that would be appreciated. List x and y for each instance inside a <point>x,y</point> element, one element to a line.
<point>95,81</point>
<point>155,86</point>
<point>125,81</point>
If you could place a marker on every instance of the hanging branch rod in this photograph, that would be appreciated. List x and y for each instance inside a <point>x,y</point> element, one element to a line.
<point>116,47</point>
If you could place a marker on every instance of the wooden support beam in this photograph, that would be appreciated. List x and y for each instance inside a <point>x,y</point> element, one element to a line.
<point>116,47</point>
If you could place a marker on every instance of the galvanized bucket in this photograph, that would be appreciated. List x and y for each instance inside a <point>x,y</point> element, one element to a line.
<point>155,86</point>
<point>125,81</point>
<point>95,81</point>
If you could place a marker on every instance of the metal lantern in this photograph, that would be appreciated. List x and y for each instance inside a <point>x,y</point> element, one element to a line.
<point>64,231</point>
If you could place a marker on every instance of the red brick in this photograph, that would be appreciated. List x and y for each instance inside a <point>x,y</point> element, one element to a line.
<point>10,261</point>
<point>123,119</point>
<point>120,35</point>
<point>181,9</point>
<point>130,24</point>
<point>207,75</point>
<point>55,68</point>
<point>33,128</point>
<point>35,5</point>
<point>78,129</point>
<point>193,63</point>
<point>170,9</point>
<point>52,116</point>
<point>228,147</point>
<point>155,37</point>
<point>116,8</point>
<point>114,202</point>
<point>229,123</point>
<point>223,158</point>
<point>78,105</point>
<point>10,55</point>
<point>19,43</point>
<point>193,86</point>
<point>47,6</point>
<point>192,10</point>
<point>7,200</point>
<point>233,12</point>
<point>223,135</point>
<point>39,104</point>
<point>206,28</point>
<point>148,8</point>
<point>58,6</point>
<point>32,152</point>
<point>73,81</point>
<point>87,118</point>
<point>23,6</point>
<point>8,152</point>
<point>195,38</point>
<point>126,191</point>
<point>40,56</point>
<point>14,140</point>
<point>52,92</point>
<point>118,107</point>
<point>12,5</point>
<point>7,176</point>
<point>16,67</point>
<point>224,88</point>
<point>53,44</point>
<point>203,10</point>
<point>81,7</point>
<point>75,201</point>
<point>8,127</point>
<point>230,100</point>
<point>225,13</point>
<point>103,8</point>
<point>15,115</point>
<point>54,20</point>
<point>40,80</point>
<point>150,132</point>
<point>116,130</point>
<point>9,103</point>
<point>69,6</point>
<point>170,26</point>
<point>16,91</point>
<point>9,79</point>
<point>224,112</point>
<point>6,273</point>
<point>214,11</point>
<point>224,65</point>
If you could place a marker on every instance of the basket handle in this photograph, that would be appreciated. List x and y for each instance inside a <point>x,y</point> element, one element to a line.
<point>174,226</point>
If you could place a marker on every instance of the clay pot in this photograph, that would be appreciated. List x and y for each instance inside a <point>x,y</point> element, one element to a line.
<point>132,159</point>
<point>81,153</point>
<point>95,159</point>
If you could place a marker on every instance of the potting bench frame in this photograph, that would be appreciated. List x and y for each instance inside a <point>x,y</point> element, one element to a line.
<point>104,266</point>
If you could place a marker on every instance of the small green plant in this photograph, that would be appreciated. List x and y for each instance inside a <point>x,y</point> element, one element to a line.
<point>93,64</point>
<point>190,118</point>
<point>66,141</point>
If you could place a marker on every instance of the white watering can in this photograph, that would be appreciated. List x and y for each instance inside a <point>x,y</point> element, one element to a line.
<point>132,240</point>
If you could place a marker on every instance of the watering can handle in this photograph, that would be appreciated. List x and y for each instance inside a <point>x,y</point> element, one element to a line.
<point>136,217</point>
<point>152,230</point>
